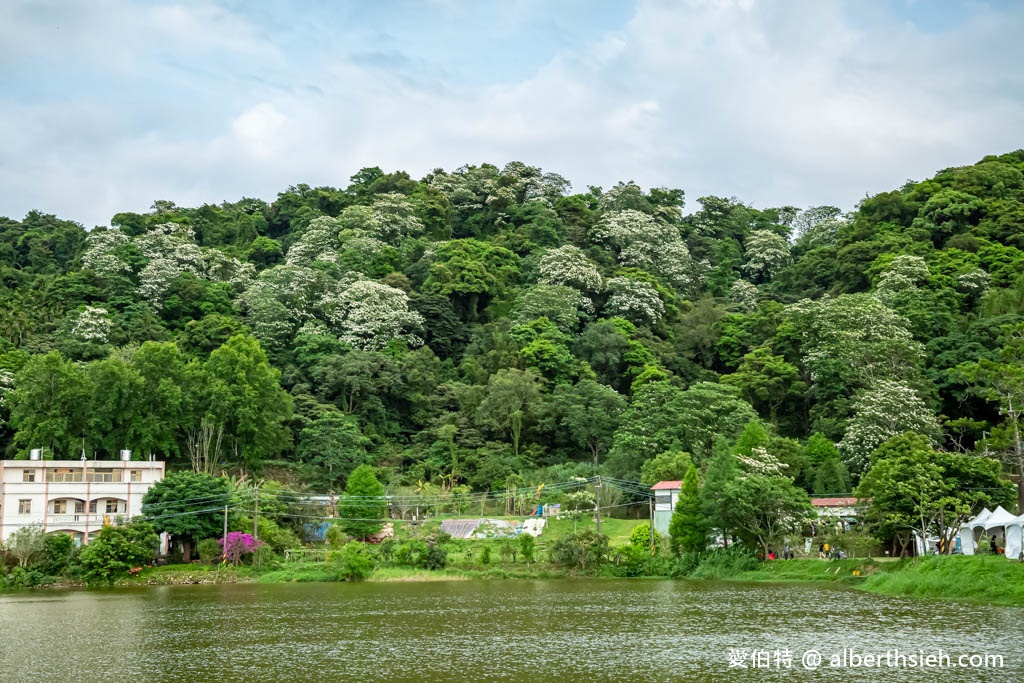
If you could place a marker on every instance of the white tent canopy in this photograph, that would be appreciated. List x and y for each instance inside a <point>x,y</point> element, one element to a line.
<point>1015,538</point>
<point>971,531</point>
<point>999,518</point>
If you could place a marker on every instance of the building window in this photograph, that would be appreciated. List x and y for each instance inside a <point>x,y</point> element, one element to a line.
<point>136,475</point>
<point>25,506</point>
<point>103,474</point>
<point>92,507</point>
<point>28,476</point>
<point>79,507</point>
<point>64,475</point>
<point>111,506</point>
<point>60,507</point>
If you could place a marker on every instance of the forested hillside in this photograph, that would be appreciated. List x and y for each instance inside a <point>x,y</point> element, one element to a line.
<point>486,327</point>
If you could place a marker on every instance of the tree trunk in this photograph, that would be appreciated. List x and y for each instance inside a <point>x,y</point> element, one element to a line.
<point>186,550</point>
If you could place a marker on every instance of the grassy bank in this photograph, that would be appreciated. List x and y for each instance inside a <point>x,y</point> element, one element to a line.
<point>852,572</point>
<point>983,579</point>
<point>980,579</point>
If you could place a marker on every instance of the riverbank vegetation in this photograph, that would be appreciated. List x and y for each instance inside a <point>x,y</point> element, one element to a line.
<point>485,342</point>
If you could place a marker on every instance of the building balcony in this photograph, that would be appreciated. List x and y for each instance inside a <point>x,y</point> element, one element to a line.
<point>84,518</point>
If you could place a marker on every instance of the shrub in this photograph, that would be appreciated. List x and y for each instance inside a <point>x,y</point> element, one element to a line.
<point>335,536</point>
<point>58,549</point>
<point>239,544</point>
<point>641,538</point>
<point>583,550</point>
<point>264,557</point>
<point>210,551</point>
<point>526,547</point>
<point>436,557</point>
<point>353,562</point>
<point>116,549</point>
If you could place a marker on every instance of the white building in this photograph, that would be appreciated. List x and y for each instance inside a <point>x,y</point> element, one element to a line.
<point>666,495</point>
<point>76,497</point>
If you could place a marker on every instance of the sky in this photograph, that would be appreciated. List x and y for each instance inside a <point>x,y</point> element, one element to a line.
<point>108,105</point>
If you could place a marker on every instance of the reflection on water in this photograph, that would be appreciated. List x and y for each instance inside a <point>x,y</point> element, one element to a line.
<point>567,630</point>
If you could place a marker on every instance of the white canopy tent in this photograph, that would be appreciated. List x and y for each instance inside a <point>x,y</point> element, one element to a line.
<point>1015,538</point>
<point>971,532</point>
<point>1009,525</point>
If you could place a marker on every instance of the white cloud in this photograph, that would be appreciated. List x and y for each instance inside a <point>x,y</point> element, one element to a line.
<point>774,104</point>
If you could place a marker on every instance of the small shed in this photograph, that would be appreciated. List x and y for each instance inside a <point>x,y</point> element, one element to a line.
<point>666,495</point>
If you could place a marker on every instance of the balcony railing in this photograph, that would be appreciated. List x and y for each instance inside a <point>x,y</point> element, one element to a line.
<point>84,518</point>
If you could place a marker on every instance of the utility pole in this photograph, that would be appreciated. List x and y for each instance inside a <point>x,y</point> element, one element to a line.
<point>1014,415</point>
<point>224,545</point>
<point>256,515</point>
<point>650,501</point>
<point>597,502</point>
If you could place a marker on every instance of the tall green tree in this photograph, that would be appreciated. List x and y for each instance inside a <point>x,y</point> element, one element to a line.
<point>188,506</point>
<point>50,406</point>
<point>914,488</point>
<point>591,412</point>
<point>363,507</point>
<point>688,527</point>
<point>246,399</point>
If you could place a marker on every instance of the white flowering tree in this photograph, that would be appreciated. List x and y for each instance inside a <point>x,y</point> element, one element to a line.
<point>6,386</point>
<point>390,218</point>
<point>974,283</point>
<point>91,324</point>
<point>887,409</point>
<point>633,300</point>
<point>318,242</point>
<point>280,300</point>
<point>766,254</point>
<point>744,295</point>
<point>172,251</point>
<point>100,254</point>
<point>226,268</point>
<point>904,275</point>
<point>368,315</point>
<point>641,241</point>
<point>817,226</point>
<point>569,266</point>
<point>859,334</point>
<point>563,306</point>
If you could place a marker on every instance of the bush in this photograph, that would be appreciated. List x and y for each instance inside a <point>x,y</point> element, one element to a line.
<point>420,555</point>
<point>684,565</point>
<point>586,549</point>
<point>641,538</point>
<point>353,562</point>
<point>116,549</point>
<point>264,557</point>
<point>210,551</point>
<point>386,549</point>
<point>58,549</point>
<point>526,547</point>
<point>436,557</point>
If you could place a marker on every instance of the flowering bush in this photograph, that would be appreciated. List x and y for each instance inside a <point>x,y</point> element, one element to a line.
<point>237,545</point>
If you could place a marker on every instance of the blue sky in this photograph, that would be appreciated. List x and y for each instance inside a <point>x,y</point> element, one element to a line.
<point>108,105</point>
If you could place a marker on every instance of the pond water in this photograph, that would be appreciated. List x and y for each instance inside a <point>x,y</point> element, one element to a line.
<point>555,630</point>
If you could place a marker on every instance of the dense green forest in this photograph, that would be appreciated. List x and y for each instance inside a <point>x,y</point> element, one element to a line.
<point>487,327</point>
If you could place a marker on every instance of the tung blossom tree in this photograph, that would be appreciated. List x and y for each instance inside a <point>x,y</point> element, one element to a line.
<point>569,266</point>
<point>886,410</point>
<point>635,301</point>
<point>368,315</point>
<point>766,254</point>
<point>92,324</point>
